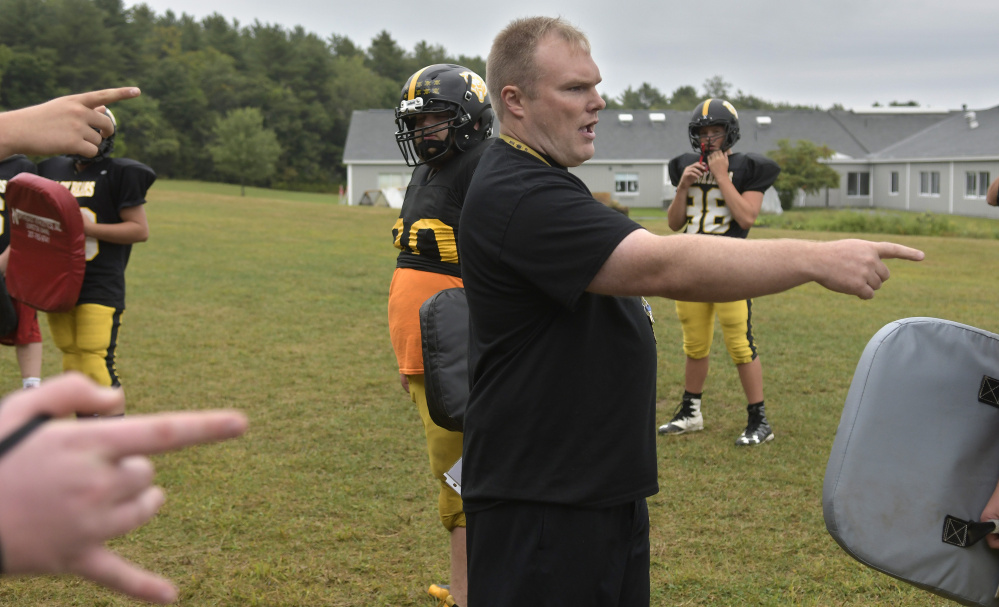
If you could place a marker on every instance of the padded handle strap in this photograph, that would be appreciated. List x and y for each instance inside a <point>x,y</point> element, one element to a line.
<point>961,533</point>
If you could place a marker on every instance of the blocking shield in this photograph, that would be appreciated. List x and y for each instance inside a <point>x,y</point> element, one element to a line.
<point>916,455</point>
<point>47,246</point>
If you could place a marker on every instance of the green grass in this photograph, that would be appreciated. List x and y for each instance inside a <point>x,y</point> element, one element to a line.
<point>880,221</point>
<point>866,221</point>
<point>276,304</point>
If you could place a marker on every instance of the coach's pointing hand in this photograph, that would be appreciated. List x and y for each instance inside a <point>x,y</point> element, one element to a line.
<point>855,267</point>
<point>64,125</point>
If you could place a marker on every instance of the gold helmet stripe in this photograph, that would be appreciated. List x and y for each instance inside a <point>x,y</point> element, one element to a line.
<point>412,84</point>
<point>706,106</point>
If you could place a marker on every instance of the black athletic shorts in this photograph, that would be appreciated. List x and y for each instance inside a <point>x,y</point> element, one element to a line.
<point>525,553</point>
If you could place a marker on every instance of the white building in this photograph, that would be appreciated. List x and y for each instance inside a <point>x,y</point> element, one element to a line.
<point>896,158</point>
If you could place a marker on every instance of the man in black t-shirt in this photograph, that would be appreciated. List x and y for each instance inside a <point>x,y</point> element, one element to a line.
<point>559,450</point>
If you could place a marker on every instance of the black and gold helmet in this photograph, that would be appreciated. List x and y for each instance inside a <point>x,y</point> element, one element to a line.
<point>711,112</point>
<point>456,95</point>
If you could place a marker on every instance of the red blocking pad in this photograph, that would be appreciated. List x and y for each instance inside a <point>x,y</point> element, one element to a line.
<point>47,245</point>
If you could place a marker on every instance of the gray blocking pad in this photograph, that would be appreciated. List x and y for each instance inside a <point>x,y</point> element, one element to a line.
<point>918,442</point>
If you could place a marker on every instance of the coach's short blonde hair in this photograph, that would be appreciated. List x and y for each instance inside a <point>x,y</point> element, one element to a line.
<point>512,57</point>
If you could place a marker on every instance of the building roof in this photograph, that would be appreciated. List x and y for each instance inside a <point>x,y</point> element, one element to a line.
<point>371,138</point>
<point>655,136</point>
<point>971,134</point>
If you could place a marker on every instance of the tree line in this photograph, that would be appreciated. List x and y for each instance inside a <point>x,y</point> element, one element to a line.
<point>194,74</point>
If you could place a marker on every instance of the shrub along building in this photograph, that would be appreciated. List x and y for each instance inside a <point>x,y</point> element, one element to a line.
<point>914,159</point>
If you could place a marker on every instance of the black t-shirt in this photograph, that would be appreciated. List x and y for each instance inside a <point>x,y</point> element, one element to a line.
<point>105,187</point>
<point>427,224</point>
<point>562,406</point>
<point>10,167</point>
<point>707,212</point>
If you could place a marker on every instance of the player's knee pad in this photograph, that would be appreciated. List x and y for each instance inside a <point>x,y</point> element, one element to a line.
<point>450,518</point>
<point>698,322</point>
<point>737,328</point>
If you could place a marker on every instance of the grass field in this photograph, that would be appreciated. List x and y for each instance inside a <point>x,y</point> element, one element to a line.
<point>275,304</point>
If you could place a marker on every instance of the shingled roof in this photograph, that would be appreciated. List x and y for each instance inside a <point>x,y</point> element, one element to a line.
<point>965,135</point>
<point>658,135</point>
<point>371,138</point>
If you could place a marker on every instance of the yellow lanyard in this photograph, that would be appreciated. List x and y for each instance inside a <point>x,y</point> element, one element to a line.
<point>523,147</point>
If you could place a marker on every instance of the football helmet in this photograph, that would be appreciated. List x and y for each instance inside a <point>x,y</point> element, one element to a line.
<point>711,112</point>
<point>105,147</point>
<point>457,102</point>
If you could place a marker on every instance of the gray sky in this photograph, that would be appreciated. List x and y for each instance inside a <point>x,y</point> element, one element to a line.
<point>940,53</point>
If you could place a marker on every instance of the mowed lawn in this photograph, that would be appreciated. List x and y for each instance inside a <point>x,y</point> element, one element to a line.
<point>274,303</point>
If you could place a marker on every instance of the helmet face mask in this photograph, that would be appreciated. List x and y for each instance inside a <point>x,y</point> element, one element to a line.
<point>711,112</point>
<point>442,97</point>
<point>104,148</point>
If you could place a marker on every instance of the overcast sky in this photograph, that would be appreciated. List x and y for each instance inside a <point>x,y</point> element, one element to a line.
<point>940,53</point>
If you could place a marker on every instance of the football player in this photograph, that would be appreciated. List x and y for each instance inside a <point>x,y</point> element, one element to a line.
<point>718,192</point>
<point>443,116</point>
<point>27,337</point>
<point>111,193</point>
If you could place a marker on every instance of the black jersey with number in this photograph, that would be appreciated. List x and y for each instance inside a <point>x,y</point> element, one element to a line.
<point>707,212</point>
<point>9,168</point>
<point>104,188</point>
<point>428,222</point>
<point>563,400</point>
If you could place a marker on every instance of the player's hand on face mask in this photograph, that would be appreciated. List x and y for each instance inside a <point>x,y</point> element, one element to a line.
<point>692,173</point>
<point>71,485</point>
<point>718,163</point>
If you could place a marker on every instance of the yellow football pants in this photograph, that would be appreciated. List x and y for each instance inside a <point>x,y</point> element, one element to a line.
<point>698,321</point>
<point>444,448</point>
<point>88,338</point>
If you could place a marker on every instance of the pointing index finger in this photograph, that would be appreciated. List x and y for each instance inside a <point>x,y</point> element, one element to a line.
<point>891,250</point>
<point>157,433</point>
<point>95,99</point>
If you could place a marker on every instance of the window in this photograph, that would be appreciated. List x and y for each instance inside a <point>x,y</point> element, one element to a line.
<point>626,183</point>
<point>977,184</point>
<point>393,180</point>
<point>929,183</point>
<point>894,183</point>
<point>858,184</point>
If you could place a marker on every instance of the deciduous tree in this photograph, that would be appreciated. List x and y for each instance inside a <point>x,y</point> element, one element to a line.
<point>801,170</point>
<point>243,149</point>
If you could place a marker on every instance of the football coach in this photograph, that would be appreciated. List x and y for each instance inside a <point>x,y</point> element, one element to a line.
<point>559,447</point>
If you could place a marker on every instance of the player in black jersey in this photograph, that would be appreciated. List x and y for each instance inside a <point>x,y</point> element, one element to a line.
<point>720,193</point>
<point>27,337</point>
<point>111,193</point>
<point>443,116</point>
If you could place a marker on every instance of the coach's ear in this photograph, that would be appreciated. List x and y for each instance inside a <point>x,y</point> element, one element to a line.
<point>512,98</point>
